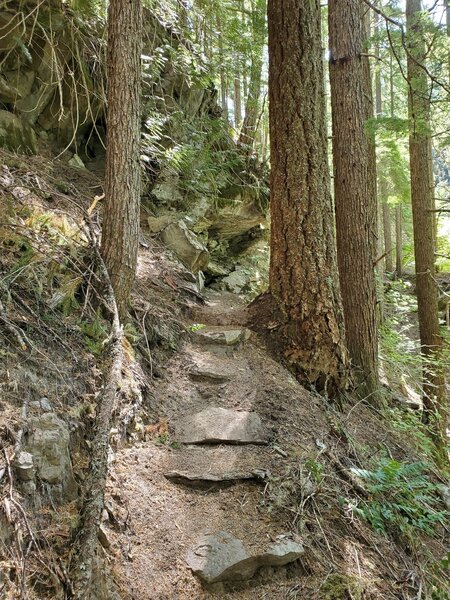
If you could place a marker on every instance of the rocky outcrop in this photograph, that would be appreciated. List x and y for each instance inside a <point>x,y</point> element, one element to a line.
<point>45,458</point>
<point>186,246</point>
<point>16,134</point>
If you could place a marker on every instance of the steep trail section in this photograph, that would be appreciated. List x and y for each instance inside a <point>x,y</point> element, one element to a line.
<point>222,505</point>
<point>224,410</point>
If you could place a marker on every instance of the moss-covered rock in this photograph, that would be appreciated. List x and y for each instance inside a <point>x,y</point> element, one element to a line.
<point>16,135</point>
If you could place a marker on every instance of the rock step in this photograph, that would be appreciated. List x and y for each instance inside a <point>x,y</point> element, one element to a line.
<point>215,425</point>
<point>218,464</point>
<point>219,556</point>
<point>225,336</point>
<point>207,374</point>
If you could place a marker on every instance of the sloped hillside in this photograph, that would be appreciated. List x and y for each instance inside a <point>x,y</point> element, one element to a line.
<point>212,437</point>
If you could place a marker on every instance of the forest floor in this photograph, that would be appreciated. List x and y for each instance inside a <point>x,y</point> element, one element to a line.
<point>305,489</point>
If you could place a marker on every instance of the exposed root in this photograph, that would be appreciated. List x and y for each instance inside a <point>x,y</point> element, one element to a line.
<point>86,544</point>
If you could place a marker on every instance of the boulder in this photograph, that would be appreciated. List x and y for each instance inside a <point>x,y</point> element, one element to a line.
<point>12,29</point>
<point>215,425</point>
<point>48,443</point>
<point>16,135</point>
<point>157,224</point>
<point>8,93</point>
<point>185,244</point>
<point>221,557</point>
<point>21,81</point>
<point>236,282</point>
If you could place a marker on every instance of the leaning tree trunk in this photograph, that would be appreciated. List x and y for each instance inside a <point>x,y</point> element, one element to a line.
<point>422,193</point>
<point>304,289</point>
<point>120,231</point>
<point>355,189</point>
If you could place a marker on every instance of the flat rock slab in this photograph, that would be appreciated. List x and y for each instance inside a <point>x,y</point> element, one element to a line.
<point>208,374</point>
<point>218,464</point>
<point>219,556</point>
<point>215,425</point>
<point>210,477</point>
<point>226,336</point>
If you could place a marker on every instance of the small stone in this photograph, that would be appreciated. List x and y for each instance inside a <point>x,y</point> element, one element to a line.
<point>103,537</point>
<point>282,552</point>
<point>76,161</point>
<point>221,425</point>
<point>24,466</point>
<point>45,405</point>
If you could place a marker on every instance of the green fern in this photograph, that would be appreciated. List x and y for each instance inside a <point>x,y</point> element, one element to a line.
<point>402,497</point>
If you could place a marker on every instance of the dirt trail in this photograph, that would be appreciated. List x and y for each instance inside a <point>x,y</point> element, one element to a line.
<point>157,521</point>
<point>165,518</point>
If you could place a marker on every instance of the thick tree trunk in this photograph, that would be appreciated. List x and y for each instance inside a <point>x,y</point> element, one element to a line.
<point>120,231</point>
<point>422,193</point>
<point>355,189</point>
<point>303,272</point>
<point>252,106</point>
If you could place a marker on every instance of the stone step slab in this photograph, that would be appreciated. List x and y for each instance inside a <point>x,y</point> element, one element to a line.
<point>215,425</point>
<point>226,336</point>
<point>219,556</point>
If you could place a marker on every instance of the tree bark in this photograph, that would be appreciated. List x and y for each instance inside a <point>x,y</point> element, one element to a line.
<point>422,193</point>
<point>304,282</point>
<point>120,231</point>
<point>355,189</point>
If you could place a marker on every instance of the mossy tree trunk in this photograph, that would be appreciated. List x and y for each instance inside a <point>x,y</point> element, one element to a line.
<point>120,231</point>
<point>304,282</point>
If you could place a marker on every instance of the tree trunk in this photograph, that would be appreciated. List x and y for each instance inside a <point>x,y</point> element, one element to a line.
<point>382,195</point>
<point>355,189</point>
<point>252,106</point>
<point>387,237</point>
<point>120,231</point>
<point>422,193</point>
<point>304,283</point>
<point>237,98</point>
<point>223,74</point>
<point>398,208</point>
<point>398,241</point>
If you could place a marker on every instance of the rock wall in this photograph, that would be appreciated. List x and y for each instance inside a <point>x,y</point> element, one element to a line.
<point>52,93</point>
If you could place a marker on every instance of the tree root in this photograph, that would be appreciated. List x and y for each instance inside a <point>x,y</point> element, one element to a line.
<point>84,554</point>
